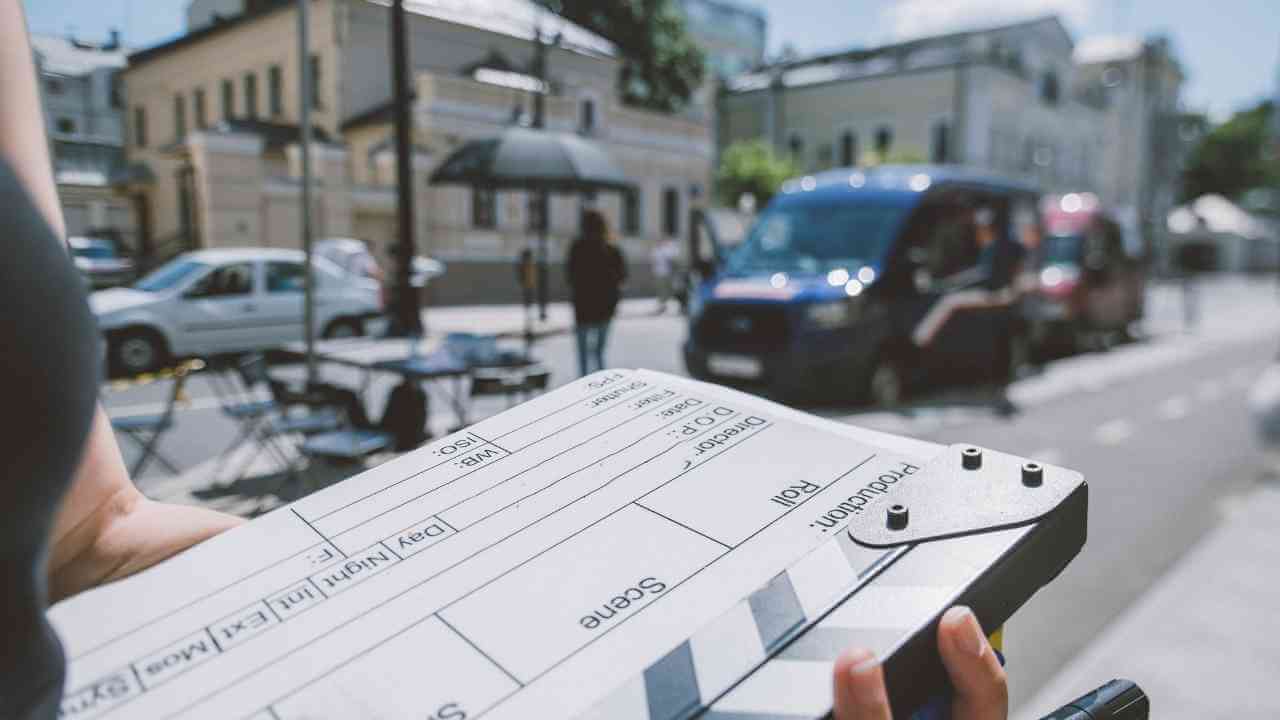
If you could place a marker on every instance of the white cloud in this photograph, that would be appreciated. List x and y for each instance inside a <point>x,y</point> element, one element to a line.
<point>915,18</point>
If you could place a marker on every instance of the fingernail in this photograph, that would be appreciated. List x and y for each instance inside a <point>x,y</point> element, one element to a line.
<point>861,661</point>
<point>968,634</point>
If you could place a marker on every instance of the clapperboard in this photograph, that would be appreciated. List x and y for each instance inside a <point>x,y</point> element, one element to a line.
<point>631,545</point>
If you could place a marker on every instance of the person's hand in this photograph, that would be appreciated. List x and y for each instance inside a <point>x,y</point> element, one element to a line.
<point>981,691</point>
<point>106,529</point>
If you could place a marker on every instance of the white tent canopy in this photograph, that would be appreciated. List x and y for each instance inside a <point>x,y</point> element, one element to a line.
<point>1221,216</point>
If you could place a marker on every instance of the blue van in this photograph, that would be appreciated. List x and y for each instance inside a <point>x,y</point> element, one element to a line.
<point>865,281</point>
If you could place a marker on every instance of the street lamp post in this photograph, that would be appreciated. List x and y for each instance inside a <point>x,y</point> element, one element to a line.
<point>305,98</point>
<point>406,318</point>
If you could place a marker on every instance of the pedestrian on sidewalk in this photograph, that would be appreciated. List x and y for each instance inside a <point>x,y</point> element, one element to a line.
<point>665,256</point>
<point>596,273</point>
<point>1195,255</point>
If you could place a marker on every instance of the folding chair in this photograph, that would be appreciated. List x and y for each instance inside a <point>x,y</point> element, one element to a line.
<point>509,382</point>
<point>350,445</point>
<point>145,431</point>
<point>243,398</point>
<point>266,419</point>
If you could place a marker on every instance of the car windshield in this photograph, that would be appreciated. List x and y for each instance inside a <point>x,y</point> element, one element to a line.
<point>1062,249</point>
<point>817,238</point>
<point>169,275</point>
<point>93,252</point>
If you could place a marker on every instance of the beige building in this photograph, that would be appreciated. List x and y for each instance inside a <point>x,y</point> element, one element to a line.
<point>1139,82</point>
<point>998,98</point>
<point>215,160</point>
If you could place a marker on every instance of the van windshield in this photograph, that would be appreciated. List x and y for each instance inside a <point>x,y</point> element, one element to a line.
<point>817,238</point>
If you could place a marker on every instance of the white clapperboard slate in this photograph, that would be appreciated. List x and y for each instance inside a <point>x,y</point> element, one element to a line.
<point>631,545</point>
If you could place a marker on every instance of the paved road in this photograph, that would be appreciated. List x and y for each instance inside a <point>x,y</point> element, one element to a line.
<point>1158,427</point>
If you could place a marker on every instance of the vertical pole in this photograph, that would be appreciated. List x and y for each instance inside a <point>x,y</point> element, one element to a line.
<point>305,100</point>
<point>539,123</point>
<point>407,319</point>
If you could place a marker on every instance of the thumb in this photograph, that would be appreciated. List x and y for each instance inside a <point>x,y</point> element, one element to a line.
<point>981,688</point>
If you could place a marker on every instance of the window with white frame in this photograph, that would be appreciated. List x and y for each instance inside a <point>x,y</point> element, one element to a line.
<point>940,143</point>
<point>484,208</point>
<point>848,147</point>
<point>632,211</point>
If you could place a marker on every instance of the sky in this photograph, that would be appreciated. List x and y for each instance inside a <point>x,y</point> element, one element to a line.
<point>1229,49</point>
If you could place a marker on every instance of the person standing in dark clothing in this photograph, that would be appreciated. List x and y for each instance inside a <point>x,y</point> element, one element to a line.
<point>596,272</point>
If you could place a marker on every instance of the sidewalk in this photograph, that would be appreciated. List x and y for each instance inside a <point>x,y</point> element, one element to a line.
<point>508,320</point>
<point>1204,641</point>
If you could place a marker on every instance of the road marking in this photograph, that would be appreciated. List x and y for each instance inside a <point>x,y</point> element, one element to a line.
<point>156,408</point>
<point>1209,390</point>
<point>1048,456</point>
<point>1175,408</point>
<point>1113,432</point>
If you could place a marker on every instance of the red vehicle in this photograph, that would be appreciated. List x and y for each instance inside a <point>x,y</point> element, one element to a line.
<point>1090,288</point>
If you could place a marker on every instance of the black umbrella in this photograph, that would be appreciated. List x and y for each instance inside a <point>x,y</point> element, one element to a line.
<point>528,159</point>
<point>524,158</point>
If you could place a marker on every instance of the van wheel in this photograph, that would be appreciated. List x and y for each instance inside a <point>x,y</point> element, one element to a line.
<point>343,328</point>
<point>885,385</point>
<point>133,352</point>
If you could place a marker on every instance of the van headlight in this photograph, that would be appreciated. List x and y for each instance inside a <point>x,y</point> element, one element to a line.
<point>831,314</point>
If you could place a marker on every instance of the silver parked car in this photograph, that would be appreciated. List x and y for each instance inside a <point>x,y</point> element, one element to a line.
<point>355,257</point>
<point>100,262</point>
<point>229,300</point>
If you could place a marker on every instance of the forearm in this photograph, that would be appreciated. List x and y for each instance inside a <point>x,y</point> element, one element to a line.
<point>106,529</point>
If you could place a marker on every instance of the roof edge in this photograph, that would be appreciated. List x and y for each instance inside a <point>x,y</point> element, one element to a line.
<point>858,51</point>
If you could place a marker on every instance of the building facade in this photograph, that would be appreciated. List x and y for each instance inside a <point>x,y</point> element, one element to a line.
<point>998,99</point>
<point>1021,99</point>
<point>83,105</point>
<point>213,119</point>
<point>732,37</point>
<point>731,34</point>
<point>1139,83</point>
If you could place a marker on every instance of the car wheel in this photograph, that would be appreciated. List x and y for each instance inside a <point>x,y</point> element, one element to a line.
<point>343,328</point>
<point>885,386</point>
<point>137,351</point>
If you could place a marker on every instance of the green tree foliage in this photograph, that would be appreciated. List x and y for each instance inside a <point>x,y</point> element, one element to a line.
<point>661,66</point>
<point>1234,157</point>
<point>751,166</point>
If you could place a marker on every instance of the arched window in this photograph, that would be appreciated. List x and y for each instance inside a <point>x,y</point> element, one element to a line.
<point>1049,87</point>
<point>670,212</point>
<point>884,140</point>
<point>587,120</point>
<point>941,151</point>
<point>795,146</point>
<point>848,148</point>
